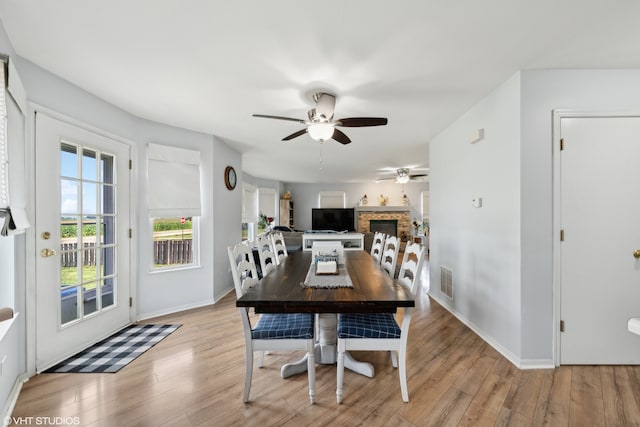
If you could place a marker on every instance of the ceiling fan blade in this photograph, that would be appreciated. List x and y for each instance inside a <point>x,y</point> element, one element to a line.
<point>295,134</point>
<point>422,175</point>
<point>325,104</point>
<point>265,116</point>
<point>339,136</point>
<point>361,121</point>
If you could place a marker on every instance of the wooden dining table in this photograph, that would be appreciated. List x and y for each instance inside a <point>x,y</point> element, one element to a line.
<point>373,291</point>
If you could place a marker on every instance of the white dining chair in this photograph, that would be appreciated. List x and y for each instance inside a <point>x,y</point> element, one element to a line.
<point>377,246</point>
<point>279,246</point>
<point>266,255</point>
<point>380,331</point>
<point>272,332</point>
<point>243,267</point>
<point>390,255</point>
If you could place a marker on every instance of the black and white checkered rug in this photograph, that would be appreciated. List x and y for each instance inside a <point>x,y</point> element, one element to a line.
<point>114,353</point>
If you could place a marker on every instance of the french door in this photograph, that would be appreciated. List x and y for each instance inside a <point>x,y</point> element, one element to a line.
<point>82,243</point>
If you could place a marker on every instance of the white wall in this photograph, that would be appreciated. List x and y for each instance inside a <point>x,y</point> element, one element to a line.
<point>481,245</point>
<point>305,197</point>
<point>542,92</point>
<point>166,291</point>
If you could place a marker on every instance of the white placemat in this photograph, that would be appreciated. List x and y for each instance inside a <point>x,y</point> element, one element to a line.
<point>340,280</point>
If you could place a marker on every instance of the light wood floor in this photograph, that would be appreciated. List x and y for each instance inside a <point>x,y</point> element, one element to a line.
<point>195,378</point>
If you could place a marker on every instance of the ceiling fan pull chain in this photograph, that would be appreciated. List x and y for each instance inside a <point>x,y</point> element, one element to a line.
<point>321,161</point>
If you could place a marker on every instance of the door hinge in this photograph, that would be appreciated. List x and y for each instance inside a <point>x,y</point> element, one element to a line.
<point>562,235</point>
<point>562,326</point>
<point>130,233</point>
<point>130,164</point>
<point>130,301</point>
<point>561,144</point>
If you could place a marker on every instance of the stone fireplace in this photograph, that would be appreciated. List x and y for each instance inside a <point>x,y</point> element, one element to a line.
<point>400,214</point>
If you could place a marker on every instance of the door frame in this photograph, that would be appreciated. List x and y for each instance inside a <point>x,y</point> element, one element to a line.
<point>31,235</point>
<point>558,115</point>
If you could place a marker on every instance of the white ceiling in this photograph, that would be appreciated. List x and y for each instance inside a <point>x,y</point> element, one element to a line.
<point>209,65</point>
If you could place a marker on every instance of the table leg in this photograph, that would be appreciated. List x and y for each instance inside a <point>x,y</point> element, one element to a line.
<point>326,351</point>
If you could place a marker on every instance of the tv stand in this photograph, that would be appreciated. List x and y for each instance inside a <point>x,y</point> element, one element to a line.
<point>349,241</point>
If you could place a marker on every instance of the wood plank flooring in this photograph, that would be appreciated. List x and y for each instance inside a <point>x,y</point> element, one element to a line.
<point>195,378</point>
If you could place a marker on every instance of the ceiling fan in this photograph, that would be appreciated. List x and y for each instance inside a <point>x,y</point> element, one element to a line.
<point>321,126</point>
<point>404,175</point>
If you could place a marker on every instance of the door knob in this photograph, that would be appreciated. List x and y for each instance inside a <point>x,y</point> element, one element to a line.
<point>45,253</point>
<point>636,253</point>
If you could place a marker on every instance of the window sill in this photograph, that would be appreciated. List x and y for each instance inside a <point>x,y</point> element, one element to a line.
<point>177,268</point>
<point>5,325</point>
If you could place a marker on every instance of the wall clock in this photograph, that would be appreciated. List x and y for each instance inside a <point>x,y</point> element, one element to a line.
<point>230,178</point>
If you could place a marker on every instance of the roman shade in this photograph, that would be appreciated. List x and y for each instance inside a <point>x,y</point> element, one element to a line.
<point>12,164</point>
<point>173,186</point>
<point>249,204</point>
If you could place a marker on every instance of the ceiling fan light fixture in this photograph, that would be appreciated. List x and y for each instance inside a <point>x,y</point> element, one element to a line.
<point>403,176</point>
<point>321,131</point>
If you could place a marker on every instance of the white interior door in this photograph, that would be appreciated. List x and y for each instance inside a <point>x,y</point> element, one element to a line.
<point>600,217</point>
<point>82,244</point>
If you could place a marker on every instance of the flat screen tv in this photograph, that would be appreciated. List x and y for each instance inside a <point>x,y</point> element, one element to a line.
<point>333,219</point>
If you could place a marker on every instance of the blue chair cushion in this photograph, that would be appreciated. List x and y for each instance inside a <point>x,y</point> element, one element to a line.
<point>376,325</point>
<point>283,326</point>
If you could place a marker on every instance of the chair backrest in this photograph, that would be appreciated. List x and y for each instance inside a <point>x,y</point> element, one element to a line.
<point>377,246</point>
<point>266,255</point>
<point>411,265</point>
<point>279,248</point>
<point>243,267</point>
<point>390,255</point>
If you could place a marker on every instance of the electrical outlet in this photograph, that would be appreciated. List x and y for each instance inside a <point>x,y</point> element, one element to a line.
<point>4,359</point>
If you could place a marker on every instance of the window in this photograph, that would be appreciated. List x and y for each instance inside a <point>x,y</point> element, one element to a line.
<point>174,205</point>
<point>173,241</point>
<point>331,199</point>
<point>267,198</point>
<point>425,211</point>
<point>249,212</point>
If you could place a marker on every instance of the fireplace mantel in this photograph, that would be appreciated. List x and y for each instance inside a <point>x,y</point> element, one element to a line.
<point>383,209</point>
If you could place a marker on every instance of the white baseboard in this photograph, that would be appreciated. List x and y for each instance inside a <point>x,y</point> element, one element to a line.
<point>7,409</point>
<point>515,360</point>
<point>176,309</point>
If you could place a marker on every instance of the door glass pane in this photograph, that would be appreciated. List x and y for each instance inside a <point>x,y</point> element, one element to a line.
<point>68,161</point>
<point>107,262</point>
<point>107,292</point>
<point>89,198</point>
<point>92,230</point>
<point>69,304</point>
<point>108,199</point>
<point>108,230</point>
<point>89,299</point>
<point>107,169</point>
<point>69,196</point>
<point>89,263</point>
<point>69,274</point>
<point>89,165</point>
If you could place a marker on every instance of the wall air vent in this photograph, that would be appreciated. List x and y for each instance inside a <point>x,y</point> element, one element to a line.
<point>446,281</point>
